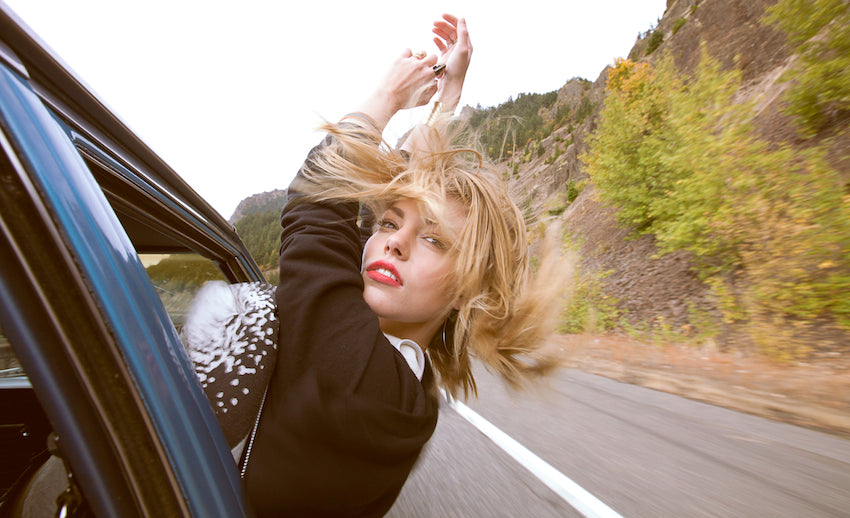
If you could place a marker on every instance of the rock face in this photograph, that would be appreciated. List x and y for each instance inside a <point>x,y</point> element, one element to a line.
<point>263,201</point>
<point>654,291</point>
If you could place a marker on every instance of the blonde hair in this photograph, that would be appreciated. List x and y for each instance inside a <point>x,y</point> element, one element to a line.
<point>505,315</point>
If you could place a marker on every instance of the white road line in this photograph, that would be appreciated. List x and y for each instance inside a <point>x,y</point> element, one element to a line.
<point>575,495</point>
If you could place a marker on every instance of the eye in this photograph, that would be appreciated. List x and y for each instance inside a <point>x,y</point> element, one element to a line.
<point>435,241</point>
<point>387,224</point>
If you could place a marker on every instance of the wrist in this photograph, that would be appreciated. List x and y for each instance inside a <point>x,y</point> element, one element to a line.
<point>437,112</point>
<point>381,107</point>
<point>449,98</point>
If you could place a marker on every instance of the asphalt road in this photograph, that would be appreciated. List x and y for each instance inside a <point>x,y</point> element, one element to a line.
<point>641,452</point>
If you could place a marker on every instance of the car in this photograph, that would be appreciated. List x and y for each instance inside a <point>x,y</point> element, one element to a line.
<point>93,370</point>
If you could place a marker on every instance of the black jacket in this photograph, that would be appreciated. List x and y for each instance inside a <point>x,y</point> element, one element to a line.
<point>345,417</point>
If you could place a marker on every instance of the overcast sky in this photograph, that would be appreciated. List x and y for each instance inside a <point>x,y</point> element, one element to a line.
<point>230,93</point>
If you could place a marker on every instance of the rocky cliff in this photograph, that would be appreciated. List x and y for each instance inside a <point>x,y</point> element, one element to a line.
<point>264,201</point>
<point>661,294</point>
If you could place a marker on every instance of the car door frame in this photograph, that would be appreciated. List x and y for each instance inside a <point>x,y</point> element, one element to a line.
<point>86,324</point>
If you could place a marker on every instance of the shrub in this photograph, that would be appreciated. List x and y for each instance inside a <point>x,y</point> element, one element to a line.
<point>819,33</point>
<point>681,161</point>
<point>655,39</point>
<point>585,108</point>
<point>678,24</point>
<point>181,272</point>
<point>589,309</point>
<point>573,190</point>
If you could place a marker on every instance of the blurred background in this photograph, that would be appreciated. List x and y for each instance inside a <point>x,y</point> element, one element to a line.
<point>701,184</point>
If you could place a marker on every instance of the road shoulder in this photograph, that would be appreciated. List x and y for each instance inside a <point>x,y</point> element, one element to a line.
<point>815,395</point>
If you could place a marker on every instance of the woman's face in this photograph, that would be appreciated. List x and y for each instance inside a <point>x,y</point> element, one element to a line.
<point>407,271</point>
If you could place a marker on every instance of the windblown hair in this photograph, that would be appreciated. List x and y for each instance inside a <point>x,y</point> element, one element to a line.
<point>505,316</point>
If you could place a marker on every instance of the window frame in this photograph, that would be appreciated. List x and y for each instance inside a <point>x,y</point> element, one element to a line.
<point>83,318</point>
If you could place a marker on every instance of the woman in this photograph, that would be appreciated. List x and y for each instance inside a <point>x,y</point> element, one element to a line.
<point>353,396</point>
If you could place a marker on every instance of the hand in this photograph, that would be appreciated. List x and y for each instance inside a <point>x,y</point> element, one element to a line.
<point>409,82</point>
<point>456,52</point>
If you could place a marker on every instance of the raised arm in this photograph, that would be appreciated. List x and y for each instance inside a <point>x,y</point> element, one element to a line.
<point>455,47</point>
<point>412,81</point>
<point>452,39</point>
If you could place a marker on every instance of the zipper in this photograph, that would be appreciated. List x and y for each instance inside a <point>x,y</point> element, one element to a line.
<point>253,435</point>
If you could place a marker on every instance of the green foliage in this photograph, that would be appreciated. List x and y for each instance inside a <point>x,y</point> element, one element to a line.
<point>273,276</point>
<point>573,190</point>
<point>655,39</point>
<point>678,24</point>
<point>260,231</point>
<point>518,124</point>
<point>554,156</point>
<point>681,161</point>
<point>183,272</point>
<point>562,115</point>
<point>585,108</point>
<point>589,309</point>
<point>557,204</point>
<point>819,33</point>
<point>617,160</point>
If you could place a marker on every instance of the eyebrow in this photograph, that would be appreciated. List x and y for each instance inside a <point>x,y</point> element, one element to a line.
<point>396,210</point>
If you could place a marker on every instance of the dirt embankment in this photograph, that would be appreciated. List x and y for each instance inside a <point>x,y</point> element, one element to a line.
<point>663,292</point>
<point>813,394</point>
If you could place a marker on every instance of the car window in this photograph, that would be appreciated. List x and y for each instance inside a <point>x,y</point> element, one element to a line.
<point>177,277</point>
<point>9,366</point>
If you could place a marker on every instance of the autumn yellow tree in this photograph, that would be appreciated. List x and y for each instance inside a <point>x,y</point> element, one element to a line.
<point>767,225</point>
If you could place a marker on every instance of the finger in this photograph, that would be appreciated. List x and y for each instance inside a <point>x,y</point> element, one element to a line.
<point>430,60</point>
<point>450,18</point>
<point>462,31</point>
<point>406,53</point>
<point>445,31</point>
<point>440,45</point>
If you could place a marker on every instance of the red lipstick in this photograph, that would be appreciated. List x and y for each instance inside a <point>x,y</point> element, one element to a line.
<point>385,273</point>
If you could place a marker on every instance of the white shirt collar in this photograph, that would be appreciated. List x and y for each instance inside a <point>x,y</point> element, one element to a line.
<point>411,352</point>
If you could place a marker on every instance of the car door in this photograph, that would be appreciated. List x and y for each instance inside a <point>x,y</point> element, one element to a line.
<point>98,348</point>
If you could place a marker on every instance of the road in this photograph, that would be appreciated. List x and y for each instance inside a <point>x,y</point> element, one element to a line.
<point>641,452</point>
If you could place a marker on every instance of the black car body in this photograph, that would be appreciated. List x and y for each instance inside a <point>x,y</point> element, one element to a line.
<point>103,374</point>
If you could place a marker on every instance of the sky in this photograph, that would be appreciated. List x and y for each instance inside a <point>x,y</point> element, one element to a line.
<point>230,94</point>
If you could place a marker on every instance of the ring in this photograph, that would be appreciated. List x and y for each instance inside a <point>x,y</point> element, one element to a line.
<point>419,55</point>
<point>439,68</point>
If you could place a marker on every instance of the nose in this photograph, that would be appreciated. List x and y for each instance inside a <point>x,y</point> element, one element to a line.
<point>397,245</point>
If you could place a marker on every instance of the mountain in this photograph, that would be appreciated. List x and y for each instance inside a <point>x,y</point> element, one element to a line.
<point>262,202</point>
<point>257,220</point>
<point>718,218</point>
<point>754,261</point>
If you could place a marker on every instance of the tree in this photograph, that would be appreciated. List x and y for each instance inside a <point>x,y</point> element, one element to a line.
<point>819,33</point>
<point>681,161</point>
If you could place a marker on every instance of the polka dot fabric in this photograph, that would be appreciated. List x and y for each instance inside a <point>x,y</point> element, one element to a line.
<point>231,337</point>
